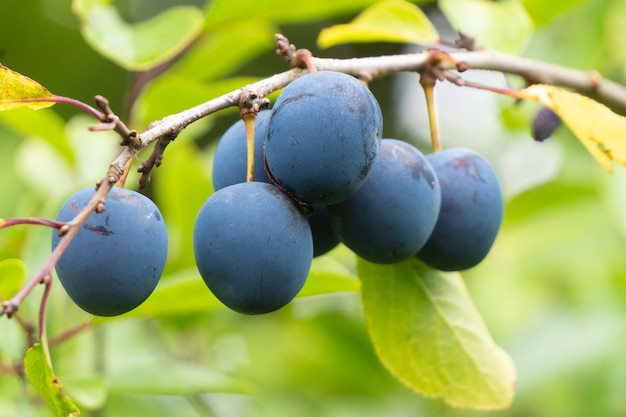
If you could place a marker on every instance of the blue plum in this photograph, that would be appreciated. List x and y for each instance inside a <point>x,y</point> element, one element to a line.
<point>324,237</point>
<point>230,165</point>
<point>392,215</point>
<point>546,121</point>
<point>323,136</point>
<point>231,156</point>
<point>471,211</point>
<point>253,247</point>
<point>116,259</point>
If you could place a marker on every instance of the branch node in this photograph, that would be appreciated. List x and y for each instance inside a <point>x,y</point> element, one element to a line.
<point>299,58</point>
<point>462,66</point>
<point>454,78</point>
<point>251,103</point>
<point>110,121</point>
<point>9,308</point>
<point>155,159</point>
<point>284,48</point>
<point>595,79</point>
<point>64,229</point>
<point>101,206</point>
<point>304,59</point>
<point>433,71</point>
<point>46,279</point>
<point>364,76</point>
<point>466,42</point>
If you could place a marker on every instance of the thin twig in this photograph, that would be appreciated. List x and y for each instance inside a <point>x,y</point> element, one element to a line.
<point>154,160</point>
<point>68,334</point>
<point>4,223</point>
<point>588,83</point>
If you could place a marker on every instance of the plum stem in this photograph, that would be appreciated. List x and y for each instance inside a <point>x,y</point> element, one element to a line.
<point>251,102</point>
<point>435,139</point>
<point>249,120</point>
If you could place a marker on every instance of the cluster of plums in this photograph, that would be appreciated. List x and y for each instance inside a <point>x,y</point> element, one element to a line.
<point>323,175</point>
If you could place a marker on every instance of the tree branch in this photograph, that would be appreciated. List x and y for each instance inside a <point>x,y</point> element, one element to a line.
<point>587,83</point>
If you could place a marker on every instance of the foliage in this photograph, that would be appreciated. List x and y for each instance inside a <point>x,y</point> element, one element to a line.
<point>16,86</point>
<point>39,373</point>
<point>393,21</point>
<point>450,353</point>
<point>552,292</point>
<point>601,133</point>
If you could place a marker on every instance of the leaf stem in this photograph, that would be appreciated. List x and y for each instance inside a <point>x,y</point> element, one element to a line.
<point>4,223</point>
<point>80,105</point>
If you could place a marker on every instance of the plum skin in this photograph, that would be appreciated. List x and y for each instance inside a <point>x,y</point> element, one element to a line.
<point>230,165</point>
<point>471,211</point>
<point>322,137</point>
<point>392,215</point>
<point>115,260</point>
<point>324,237</point>
<point>253,247</point>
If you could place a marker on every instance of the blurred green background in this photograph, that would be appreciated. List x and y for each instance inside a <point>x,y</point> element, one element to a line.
<point>552,291</point>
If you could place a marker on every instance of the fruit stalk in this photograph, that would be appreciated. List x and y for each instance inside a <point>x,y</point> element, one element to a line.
<point>249,122</point>
<point>429,92</point>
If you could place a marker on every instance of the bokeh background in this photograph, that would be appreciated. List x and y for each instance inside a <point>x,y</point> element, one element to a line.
<point>552,291</point>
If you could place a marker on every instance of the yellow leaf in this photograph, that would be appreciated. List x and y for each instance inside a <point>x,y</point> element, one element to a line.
<point>602,131</point>
<point>17,90</point>
<point>385,21</point>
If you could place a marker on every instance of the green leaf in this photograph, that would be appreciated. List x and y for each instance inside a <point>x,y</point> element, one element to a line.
<point>17,90</point>
<point>542,11</point>
<point>225,11</point>
<point>139,46</point>
<point>171,378</point>
<point>427,332</point>
<point>326,276</point>
<point>56,181</point>
<point>12,275</point>
<point>385,21</point>
<point>499,25</point>
<point>186,294</point>
<point>90,391</point>
<point>47,125</point>
<point>226,49</point>
<point>39,373</point>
